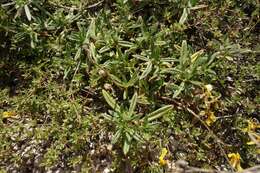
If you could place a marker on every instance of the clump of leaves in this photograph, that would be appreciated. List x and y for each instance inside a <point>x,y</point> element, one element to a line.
<point>128,86</point>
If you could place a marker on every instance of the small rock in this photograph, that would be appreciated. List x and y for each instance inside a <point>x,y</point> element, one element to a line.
<point>182,163</point>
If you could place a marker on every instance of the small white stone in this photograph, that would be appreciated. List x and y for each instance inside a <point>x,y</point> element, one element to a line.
<point>229,79</point>
<point>106,170</point>
<point>209,87</point>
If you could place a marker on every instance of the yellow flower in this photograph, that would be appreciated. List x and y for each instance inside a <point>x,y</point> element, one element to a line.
<point>234,159</point>
<point>162,161</point>
<point>8,114</point>
<point>211,118</point>
<point>251,126</point>
<point>209,88</point>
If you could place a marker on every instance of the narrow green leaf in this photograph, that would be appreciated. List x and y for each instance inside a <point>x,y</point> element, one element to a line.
<point>128,134</point>
<point>109,99</point>
<point>169,59</point>
<point>180,88</point>
<point>156,51</point>
<point>125,94</point>
<point>37,4</point>
<point>66,72</point>
<point>135,117</point>
<point>137,137</point>
<point>159,113</point>
<point>142,99</point>
<point>116,136</point>
<point>132,81</point>
<point>126,147</point>
<point>195,56</point>
<point>199,84</point>
<point>133,104</point>
<point>143,58</point>
<point>91,31</point>
<point>93,52</point>
<point>92,28</point>
<point>193,2</point>
<point>27,12</point>
<point>32,41</point>
<point>117,81</point>
<point>160,43</point>
<point>147,70</point>
<point>184,16</point>
<point>104,49</point>
<point>7,4</point>
<point>125,43</point>
<point>78,54</point>
<point>213,57</point>
<point>184,54</point>
<point>107,117</point>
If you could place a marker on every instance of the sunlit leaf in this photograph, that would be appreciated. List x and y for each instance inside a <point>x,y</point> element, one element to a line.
<point>110,100</point>
<point>184,54</point>
<point>91,31</point>
<point>133,80</point>
<point>104,49</point>
<point>196,55</point>
<point>147,70</point>
<point>184,16</point>
<point>125,43</point>
<point>116,136</point>
<point>159,113</point>
<point>93,52</point>
<point>78,54</point>
<point>117,81</point>
<point>126,147</point>
<point>27,12</point>
<point>133,104</point>
<point>179,90</point>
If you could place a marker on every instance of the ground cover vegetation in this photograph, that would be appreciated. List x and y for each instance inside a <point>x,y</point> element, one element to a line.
<point>129,85</point>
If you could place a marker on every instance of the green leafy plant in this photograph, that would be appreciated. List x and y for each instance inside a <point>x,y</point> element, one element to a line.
<point>179,80</point>
<point>130,125</point>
